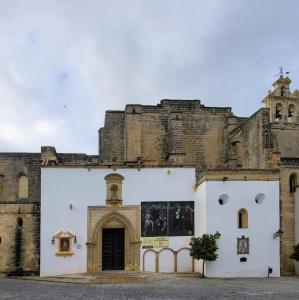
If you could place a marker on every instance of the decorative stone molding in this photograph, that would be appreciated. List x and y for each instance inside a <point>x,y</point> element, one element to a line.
<point>22,185</point>
<point>64,243</point>
<point>289,161</point>
<point>114,189</point>
<point>127,217</point>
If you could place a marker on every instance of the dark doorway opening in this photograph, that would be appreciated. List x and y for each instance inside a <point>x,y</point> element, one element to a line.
<point>113,249</point>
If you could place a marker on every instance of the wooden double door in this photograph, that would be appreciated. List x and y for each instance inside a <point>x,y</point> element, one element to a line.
<point>113,249</point>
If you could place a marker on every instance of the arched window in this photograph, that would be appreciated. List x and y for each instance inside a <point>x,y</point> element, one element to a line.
<point>291,110</point>
<point>23,187</point>
<point>242,218</point>
<point>293,183</point>
<point>283,91</point>
<point>278,111</point>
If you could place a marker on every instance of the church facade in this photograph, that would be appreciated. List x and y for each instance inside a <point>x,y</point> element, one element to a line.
<point>163,174</point>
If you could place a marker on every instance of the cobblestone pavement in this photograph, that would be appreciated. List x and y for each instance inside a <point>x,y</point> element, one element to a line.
<point>171,287</point>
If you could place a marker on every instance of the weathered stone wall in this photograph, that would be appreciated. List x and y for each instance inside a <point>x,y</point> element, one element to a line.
<point>175,132</point>
<point>132,133</point>
<point>19,242</point>
<point>153,136</point>
<point>203,138</point>
<point>172,133</point>
<point>286,137</point>
<point>250,141</point>
<point>20,245</point>
<point>257,143</point>
<point>111,138</point>
<point>287,218</point>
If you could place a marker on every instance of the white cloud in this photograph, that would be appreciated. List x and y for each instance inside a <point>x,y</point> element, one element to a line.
<point>63,63</point>
<point>12,134</point>
<point>46,128</point>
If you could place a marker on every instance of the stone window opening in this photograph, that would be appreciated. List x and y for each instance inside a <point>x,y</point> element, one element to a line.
<point>283,91</point>
<point>278,111</point>
<point>242,218</point>
<point>22,187</point>
<point>291,111</point>
<point>293,183</point>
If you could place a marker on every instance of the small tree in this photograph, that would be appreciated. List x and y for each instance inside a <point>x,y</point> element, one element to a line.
<point>204,248</point>
<point>295,255</point>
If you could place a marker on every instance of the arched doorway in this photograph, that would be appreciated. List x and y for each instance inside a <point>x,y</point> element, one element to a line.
<point>114,240</point>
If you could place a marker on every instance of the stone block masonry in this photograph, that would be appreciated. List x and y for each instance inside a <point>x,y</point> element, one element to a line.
<point>173,133</point>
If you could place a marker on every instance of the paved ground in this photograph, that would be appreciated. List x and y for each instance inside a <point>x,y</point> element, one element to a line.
<point>168,287</point>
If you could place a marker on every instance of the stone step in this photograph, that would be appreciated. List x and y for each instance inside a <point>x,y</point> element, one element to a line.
<point>108,277</point>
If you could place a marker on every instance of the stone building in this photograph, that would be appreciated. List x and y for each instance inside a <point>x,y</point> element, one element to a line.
<point>173,134</point>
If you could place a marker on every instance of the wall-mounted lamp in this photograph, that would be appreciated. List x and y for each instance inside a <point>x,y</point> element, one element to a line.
<point>277,234</point>
<point>217,235</point>
<point>75,240</point>
<point>53,240</point>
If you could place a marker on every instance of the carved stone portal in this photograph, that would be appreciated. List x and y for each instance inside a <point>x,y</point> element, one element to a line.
<point>127,217</point>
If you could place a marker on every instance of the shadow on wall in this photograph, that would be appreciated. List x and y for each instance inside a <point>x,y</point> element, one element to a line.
<point>18,271</point>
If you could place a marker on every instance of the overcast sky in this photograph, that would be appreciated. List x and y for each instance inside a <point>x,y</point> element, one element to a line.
<point>63,63</point>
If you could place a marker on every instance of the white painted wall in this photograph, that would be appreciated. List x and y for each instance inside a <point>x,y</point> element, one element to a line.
<point>263,222</point>
<point>297,225</point>
<point>81,187</point>
<point>166,261</point>
<point>150,262</point>
<point>184,261</point>
<point>200,218</point>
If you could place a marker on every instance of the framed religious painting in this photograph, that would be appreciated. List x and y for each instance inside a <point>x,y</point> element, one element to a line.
<point>243,245</point>
<point>181,218</point>
<point>153,219</point>
<point>64,243</point>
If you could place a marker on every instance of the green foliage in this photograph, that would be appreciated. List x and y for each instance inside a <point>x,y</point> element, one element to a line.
<point>204,247</point>
<point>295,255</point>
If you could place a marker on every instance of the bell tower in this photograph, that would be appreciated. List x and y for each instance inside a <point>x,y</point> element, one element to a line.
<point>283,105</point>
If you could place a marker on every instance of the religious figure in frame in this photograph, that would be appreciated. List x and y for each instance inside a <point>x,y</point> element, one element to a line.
<point>64,244</point>
<point>243,245</point>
